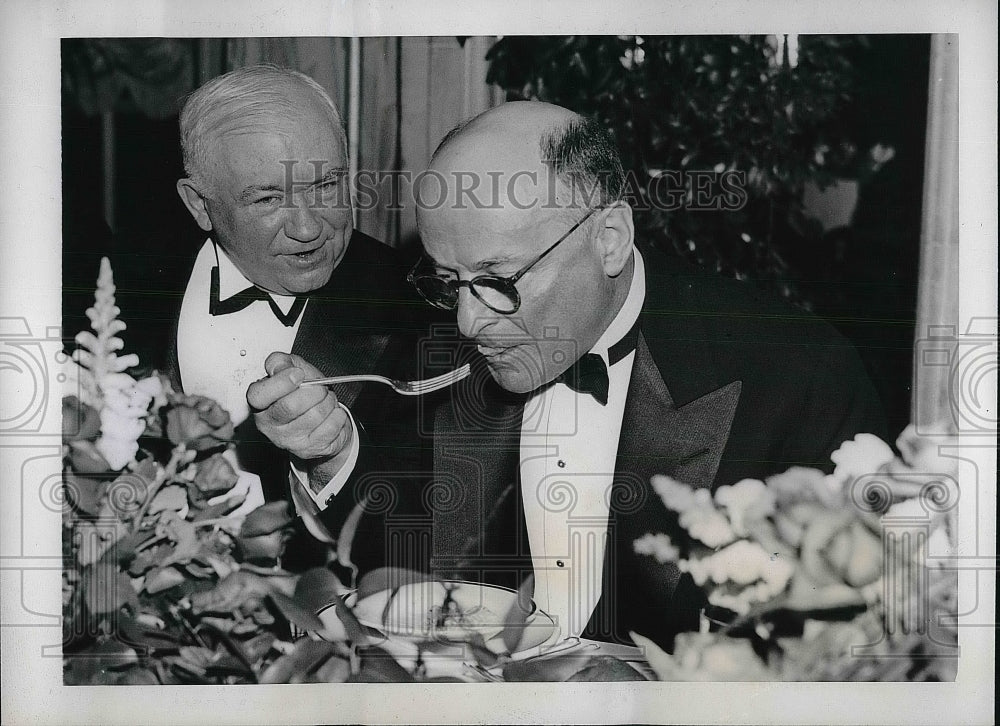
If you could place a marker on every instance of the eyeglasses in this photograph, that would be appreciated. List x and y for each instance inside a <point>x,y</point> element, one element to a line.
<point>499,294</point>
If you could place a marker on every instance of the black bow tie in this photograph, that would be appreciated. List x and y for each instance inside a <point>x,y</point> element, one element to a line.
<point>245,297</point>
<point>590,374</point>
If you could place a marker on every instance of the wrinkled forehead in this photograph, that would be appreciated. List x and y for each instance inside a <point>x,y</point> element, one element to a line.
<point>274,145</point>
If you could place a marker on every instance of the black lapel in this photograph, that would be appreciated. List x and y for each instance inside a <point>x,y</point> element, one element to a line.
<point>476,455</point>
<point>657,437</point>
<point>342,330</point>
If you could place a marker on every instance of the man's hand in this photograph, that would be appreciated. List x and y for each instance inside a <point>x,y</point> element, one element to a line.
<point>306,421</point>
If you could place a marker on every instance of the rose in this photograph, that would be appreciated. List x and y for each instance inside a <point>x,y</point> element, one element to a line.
<point>838,547</point>
<point>198,422</point>
<point>839,555</point>
<point>265,531</point>
<point>80,422</point>
<point>214,476</point>
<point>84,458</point>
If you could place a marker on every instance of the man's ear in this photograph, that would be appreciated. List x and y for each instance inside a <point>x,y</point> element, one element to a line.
<point>616,237</point>
<point>195,203</point>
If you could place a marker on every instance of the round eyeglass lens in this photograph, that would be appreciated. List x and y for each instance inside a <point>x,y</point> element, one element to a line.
<point>496,293</point>
<point>437,291</point>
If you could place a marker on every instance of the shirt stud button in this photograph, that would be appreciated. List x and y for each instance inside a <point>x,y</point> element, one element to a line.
<point>560,563</point>
<point>243,352</point>
<point>561,464</point>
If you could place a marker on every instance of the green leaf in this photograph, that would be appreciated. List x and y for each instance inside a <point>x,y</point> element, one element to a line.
<point>85,493</point>
<point>335,670</point>
<point>294,667</point>
<point>226,664</point>
<point>317,588</point>
<point>138,677</point>
<point>185,536</point>
<point>171,498</point>
<point>356,632</point>
<point>345,540</point>
<point>388,578</point>
<point>258,646</point>
<point>97,660</point>
<point>554,668</point>
<point>106,589</point>
<point>267,518</point>
<point>219,509</point>
<point>607,668</point>
<point>378,666</point>
<point>162,578</point>
<point>295,613</point>
<point>517,615</point>
<point>134,634</point>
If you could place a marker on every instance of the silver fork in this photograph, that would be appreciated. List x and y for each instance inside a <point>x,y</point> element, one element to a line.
<point>407,388</point>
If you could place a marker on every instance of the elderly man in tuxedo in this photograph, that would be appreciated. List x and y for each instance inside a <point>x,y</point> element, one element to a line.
<point>284,278</point>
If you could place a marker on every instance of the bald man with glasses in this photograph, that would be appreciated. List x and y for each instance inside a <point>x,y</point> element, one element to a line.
<point>596,367</point>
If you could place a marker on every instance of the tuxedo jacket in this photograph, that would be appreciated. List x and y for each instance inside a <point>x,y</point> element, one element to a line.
<point>366,319</point>
<point>727,383</point>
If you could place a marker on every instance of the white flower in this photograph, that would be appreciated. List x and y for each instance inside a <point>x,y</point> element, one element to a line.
<point>675,495</point>
<point>922,452</point>
<point>117,452</point>
<point>657,545</point>
<point>123,418</point>
<point>864,454</point>
<point>758,575</point>
<point>746,501</point>
<point>707,524</point>
<point>116,424</point>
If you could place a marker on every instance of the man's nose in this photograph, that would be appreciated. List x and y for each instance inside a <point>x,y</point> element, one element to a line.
<point>302,223</point>
<point>473,316</point>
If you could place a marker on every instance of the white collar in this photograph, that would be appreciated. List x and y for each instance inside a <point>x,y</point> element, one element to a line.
<point>629,312</point>
<point>232,281</point>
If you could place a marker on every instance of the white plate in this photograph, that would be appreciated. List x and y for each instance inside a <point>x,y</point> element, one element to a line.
<point>416,612</point>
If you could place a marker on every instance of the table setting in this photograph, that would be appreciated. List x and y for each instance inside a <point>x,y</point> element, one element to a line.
<point>806,574</point>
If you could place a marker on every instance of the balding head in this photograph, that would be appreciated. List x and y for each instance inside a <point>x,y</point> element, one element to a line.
<point>531,136</point>
<point>527,195</point>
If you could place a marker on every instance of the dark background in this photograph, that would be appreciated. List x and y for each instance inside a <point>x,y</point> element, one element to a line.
<point>855,91</point>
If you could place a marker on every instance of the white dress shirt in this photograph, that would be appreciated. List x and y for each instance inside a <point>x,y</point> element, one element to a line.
<point>219,356</point>
<point>569,444</point>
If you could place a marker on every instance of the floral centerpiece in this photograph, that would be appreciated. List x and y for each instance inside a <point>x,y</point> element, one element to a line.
<point>174,562</point>
<point>174,571</point>
<point>819,577</point>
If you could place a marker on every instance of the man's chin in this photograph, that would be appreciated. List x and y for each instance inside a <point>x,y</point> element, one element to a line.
<point>516,377</point>
<point>304,281</point>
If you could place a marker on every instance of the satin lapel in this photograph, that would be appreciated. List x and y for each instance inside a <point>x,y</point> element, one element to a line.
<point>338,349</point>
<point>685,443</point>
<point>657,437</point>
<point>475,467</point>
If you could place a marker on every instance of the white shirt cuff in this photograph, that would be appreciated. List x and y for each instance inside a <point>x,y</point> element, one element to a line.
<point>335,484</point>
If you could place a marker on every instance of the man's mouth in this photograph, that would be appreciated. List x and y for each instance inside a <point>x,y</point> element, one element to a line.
<point>307,255</point>
<point>490,351</point>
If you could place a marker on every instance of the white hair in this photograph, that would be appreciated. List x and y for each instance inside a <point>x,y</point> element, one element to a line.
<point>243,98</point>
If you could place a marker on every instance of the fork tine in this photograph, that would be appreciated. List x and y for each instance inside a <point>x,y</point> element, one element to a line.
<point>445,379</point>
